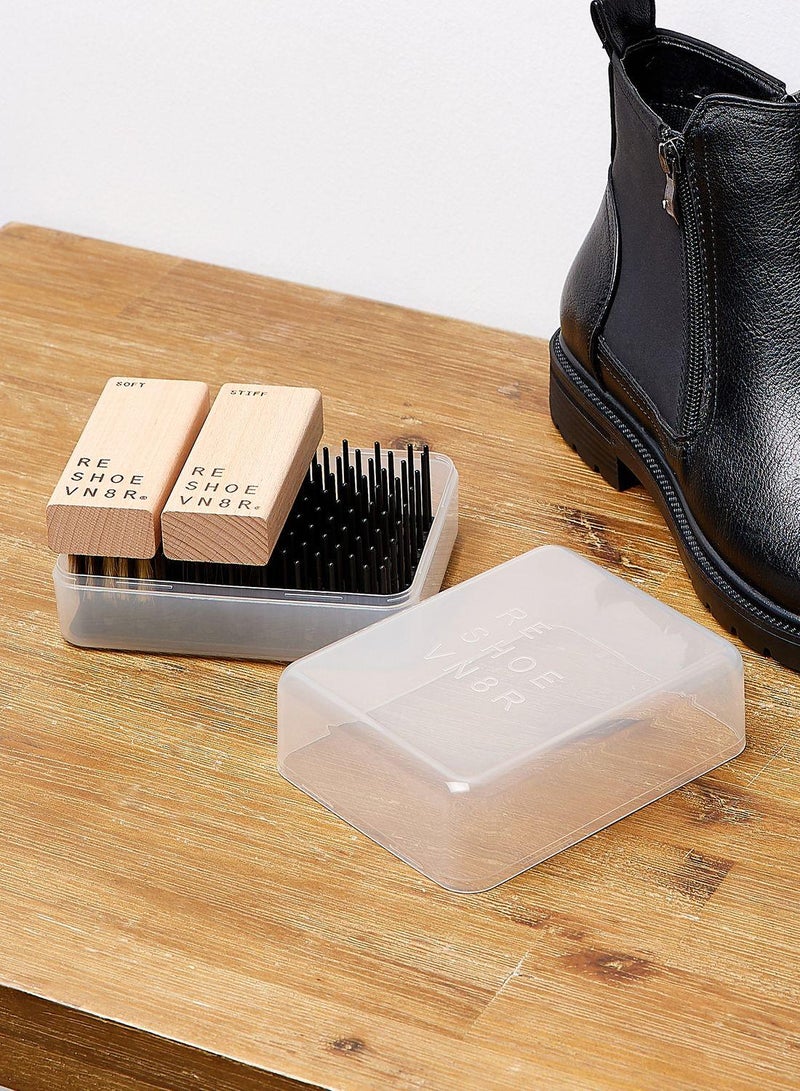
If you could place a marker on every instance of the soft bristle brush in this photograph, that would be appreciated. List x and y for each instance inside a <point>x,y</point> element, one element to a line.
<point>108,501</point>
<point>359,525</point>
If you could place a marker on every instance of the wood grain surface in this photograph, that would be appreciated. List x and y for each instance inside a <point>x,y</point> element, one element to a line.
<point>176,915</point>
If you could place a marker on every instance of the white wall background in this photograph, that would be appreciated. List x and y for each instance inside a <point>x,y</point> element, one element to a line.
<point>446,155</point>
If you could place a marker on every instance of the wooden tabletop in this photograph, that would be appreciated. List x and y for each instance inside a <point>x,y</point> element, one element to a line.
<point>175,915</point>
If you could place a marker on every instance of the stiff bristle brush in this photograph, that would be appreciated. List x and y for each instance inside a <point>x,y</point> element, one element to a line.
<point>359,524</point>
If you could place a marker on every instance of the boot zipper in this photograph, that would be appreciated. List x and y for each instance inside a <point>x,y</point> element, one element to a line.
<point>679,203</point>
<point>669,154</point>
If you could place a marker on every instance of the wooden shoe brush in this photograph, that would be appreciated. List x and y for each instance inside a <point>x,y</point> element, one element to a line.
<point>105,511</point>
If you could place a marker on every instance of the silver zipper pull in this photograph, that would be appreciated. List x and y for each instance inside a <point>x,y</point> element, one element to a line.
<point>669,154</point>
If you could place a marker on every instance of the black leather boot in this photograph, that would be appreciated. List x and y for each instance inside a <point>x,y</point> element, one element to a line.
<point>677,364</point>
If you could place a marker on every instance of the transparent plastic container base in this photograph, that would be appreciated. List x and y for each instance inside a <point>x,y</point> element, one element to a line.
<point>510,717</point>
<point>242,622</point>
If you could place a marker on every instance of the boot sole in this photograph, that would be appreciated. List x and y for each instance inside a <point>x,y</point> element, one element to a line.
<point>611,442</point>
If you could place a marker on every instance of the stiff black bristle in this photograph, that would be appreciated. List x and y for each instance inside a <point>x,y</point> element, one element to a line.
<point>358,526</point>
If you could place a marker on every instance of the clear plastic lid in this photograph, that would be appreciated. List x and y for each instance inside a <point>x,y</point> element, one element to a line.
<point>482,731</point>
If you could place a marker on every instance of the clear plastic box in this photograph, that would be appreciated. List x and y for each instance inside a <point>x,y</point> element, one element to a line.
<point>509,717</point>
<point>240,622</point>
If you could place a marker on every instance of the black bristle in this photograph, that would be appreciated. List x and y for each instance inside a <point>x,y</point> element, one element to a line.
<point>427,499</point>
<point>339,557</point>
<point>412,508</point>
<point>419,525</point>
<point>372,555</point>
<point>371,472</point>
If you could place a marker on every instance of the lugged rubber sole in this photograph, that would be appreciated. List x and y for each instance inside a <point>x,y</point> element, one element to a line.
<point>610,441</point>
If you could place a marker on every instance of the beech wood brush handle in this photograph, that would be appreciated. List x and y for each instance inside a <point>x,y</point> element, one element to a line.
<point>235,492</point>
<point>109,498</point>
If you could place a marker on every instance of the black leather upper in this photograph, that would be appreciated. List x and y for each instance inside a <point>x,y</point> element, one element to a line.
<point>590,284</point>
<point>742,472</point>
<point>633,296</point>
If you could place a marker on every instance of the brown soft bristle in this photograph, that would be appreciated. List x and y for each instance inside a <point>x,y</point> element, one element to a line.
<point>124,568</point>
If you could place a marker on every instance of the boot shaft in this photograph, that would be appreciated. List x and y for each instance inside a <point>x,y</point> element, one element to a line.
<point>687,290</point>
